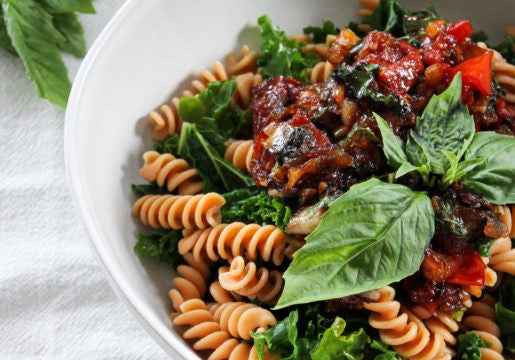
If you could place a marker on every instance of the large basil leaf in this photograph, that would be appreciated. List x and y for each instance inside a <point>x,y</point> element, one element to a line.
<point>372,235</point>
<point>445,125</point>
<point>494,177</point>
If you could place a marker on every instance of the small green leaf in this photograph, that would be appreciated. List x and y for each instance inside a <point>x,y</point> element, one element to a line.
<point>70,6</point>
<point>320,33</point>
<point>372,235</point>
<point>469,346</point>
<point>445,125</point>
<point>34,36</point>
<point>492,178</point>
<point>161,245</point>
<point>69,26</point>
<point>393,145</point>
<point>484,248</point>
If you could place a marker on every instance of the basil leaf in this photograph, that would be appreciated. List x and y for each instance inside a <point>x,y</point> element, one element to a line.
<point>393,145</point>
<point>335,345</point>
<point>69,6</point>
<point>372,235</point>
<point>493,178</point>
<point>30,28</point>
<point>281,55</point>
<point>5,42</point>
<point>280,339</point>
<point>69,26</point>
<point>320,33</point>
<point>445,125</point>
<point>387,17</point>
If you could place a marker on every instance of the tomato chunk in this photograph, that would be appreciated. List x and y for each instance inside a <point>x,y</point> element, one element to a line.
<point>470,272</point>
<point>477,72</point>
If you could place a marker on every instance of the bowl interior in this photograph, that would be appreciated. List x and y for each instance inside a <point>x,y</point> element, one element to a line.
<point>149,51</point>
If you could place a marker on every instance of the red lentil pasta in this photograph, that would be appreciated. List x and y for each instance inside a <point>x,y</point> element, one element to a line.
<point>237,198</point>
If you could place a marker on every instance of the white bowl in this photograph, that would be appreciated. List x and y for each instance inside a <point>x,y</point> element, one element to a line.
<point>148,50</point>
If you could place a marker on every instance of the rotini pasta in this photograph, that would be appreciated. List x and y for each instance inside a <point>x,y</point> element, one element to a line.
<point>504,73</point>
<point>244,84</point>
<point>191,282</point>
<point>204,327</point>
<point>481,319</point>
<point>165,169</point>
<point>239,318</point>
<point>227,241</point>
<point>239,153</point>
<point>442,324</point>
<point>403,330</point>
<point>502,256</point>
<point>321,72</point>
<point>166,120</point>
<point>246,62</point>
<point>181,211</point>
<point>248,280</point>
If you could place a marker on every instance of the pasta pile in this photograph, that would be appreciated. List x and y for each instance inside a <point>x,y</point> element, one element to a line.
<point>232,272</point>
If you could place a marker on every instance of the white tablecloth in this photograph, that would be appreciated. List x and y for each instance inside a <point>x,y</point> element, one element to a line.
<point>54,300</point>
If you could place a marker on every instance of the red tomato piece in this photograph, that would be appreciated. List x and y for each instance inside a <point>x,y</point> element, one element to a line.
<point>477,72</point>
<point>470,272</point>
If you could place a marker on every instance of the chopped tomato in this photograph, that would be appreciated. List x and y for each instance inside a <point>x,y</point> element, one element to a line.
<point>441,47</point>
<point>477,72</point>
<point>402,74</point>
<point>460,30</point>
<point>470,272</point>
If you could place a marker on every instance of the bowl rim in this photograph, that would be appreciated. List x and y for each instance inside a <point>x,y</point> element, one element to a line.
<point>166,337</point>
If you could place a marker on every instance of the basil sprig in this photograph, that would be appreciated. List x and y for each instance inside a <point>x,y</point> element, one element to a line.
<point>444,143</point>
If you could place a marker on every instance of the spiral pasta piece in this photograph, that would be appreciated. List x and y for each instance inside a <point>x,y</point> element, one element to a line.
<point>179,211</point>
<point>404,330</point>
<point>190,282</point>
<point>504,73</point>
<point>227,241</point>
<point>239,153</point>
<point>246,62</point>
<point>321,72</point>
<point>443,323</point>
<point>239,318</point>
<point>166,120</point>
<point>204,327</point>
<point>481,319</point>
<point>247,280</point>
<point>165,169</point>
<point>207,76</point>
<point>502,255</point>
<point>244,84</point>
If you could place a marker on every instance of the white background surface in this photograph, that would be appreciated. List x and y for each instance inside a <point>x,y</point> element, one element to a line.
<point>54,300</point>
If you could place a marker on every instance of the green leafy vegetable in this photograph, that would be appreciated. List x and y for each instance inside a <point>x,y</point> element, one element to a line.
<point>210,111</point>
<point>281,55</point>
<point>68,6</point>
<point>33,35</point>
<point>469,345</point>
<point>335,345</point>
<point>320,33</point>
<point>36,30</point>
<point>478,36</point>
<point>507,49</point>
<point>372,235</point>
<point>358,79</point>
<point>484,248</point>
<point>251,205</point>
<point>387,16</point>
<point>383,351</point>
<point>69,26</point>
<point>505,310</point>
<point>217,173</point>
<point>161,245</point>
<point>445,125</point>
<point>393,146</point>
<point>414,23</point>
<point>456,169</point>
<point>493,178</point>
<point>148,189</point>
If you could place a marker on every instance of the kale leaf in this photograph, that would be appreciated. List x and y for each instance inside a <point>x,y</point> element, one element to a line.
<point>507,49</point>
<point>387,16</point>
<point>161,245</point>
<point>469,345</point>
<point>252,205</point>
<point>359,79</point>
<point>281,55</point>
<point>320,32</point>
<point>505,310</point>
<point>148,189</point>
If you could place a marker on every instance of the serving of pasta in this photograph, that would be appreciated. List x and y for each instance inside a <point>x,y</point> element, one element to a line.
<point>344,193</point>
